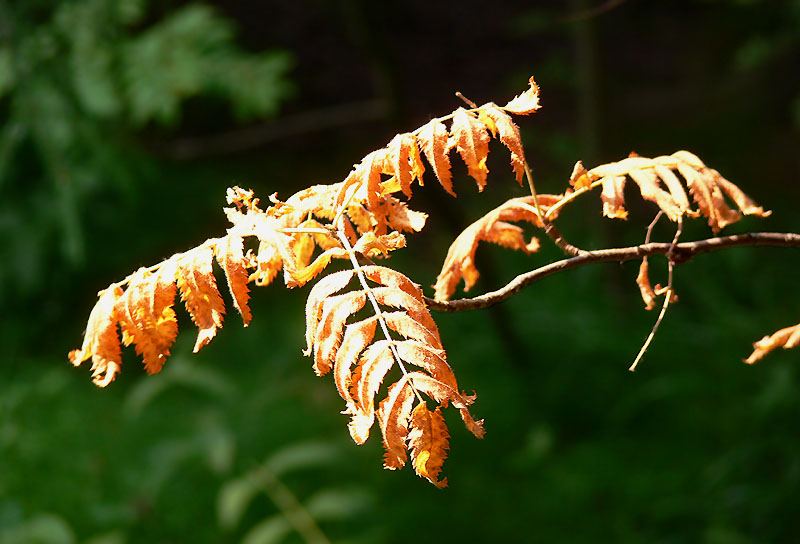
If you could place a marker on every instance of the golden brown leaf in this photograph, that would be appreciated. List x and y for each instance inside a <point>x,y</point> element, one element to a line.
<point>199,292</point>
<point>403,324</point>
<point>372,246</point>
<point>706,186</point>
<point>403,161</point>
<point>374,364</point>
<point>472,143</point>
<point>428,442</point>
<point>330,328</point>
<point>492,227</point>
<point>527,102</point>
<point>267,263</point>
<point>146,315</point>
<point>101,341</point>
<point>785,338</point>
<point>327,286</point>
<point>509,135</point>
<point>394,413</point>
<point>643,281</point>
<point>357,336</point>
<point>444,393</point>
<point>434,142</point>
<point>230,256</point>
<point>400,217</point>
<point>579,178</point>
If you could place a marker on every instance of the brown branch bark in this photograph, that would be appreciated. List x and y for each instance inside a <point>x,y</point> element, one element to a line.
<point>680,253</point>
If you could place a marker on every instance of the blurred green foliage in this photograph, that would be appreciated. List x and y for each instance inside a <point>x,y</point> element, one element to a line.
<point>79,81</point>
<point>241,442</point>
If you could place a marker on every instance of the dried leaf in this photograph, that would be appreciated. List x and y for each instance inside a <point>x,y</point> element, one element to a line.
<point>509,135</point>
<point>330,328</point>
<point>706,186</point>
<point>492,227</point>
<point>357,336</point>
<point>373,246</point>
<point>403,161</point>
<point>527,102</point>
<point>785,338</point>
<point>434,142</point>
<point>579,178</point>
<point>428,442</point>
<point>472,143</point>
<point>394,414</point>
<point>230,256</point>
<point>327,286</point>
<point>643,281</point>
<point>101,341</point>
<point>199,292</point>
<point>146,316</point>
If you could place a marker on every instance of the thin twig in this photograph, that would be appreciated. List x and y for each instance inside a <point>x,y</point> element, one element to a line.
<point>469,102</point>
<point>549,228</point>
<point>667,294</point>
<point>680,254</point>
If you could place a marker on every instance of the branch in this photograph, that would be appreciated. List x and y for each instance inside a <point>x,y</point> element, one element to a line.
<point>680,253</point>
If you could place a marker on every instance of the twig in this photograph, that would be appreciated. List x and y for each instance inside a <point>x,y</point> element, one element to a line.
<point>669,291</point>
<point>549,228</point>
<point>680,254</point>
<point>469,102</point>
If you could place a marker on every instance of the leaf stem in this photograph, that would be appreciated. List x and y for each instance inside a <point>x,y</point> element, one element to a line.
<point>375,306</point>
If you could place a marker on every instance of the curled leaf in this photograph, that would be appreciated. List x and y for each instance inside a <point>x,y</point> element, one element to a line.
<point>785,338</point>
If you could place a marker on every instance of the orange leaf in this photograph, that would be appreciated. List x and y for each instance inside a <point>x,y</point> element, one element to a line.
<point>785,338</point>
<point>434,142</point>
<point>327,286</point>
<point>643,281</point>
<point>472,143</point>
<point>579,178</point>
<point>101,341</point>
<point>394,413</point>
<point>357,336</point>
<point>230,256</point>
<point>399,161</point>
<point>146,315</point>
<point>428,442</point>
<point>199,292</point>
<point>492,227</point>
<point>527,102</point>
<point>329,331</point>
<point>509,135</point>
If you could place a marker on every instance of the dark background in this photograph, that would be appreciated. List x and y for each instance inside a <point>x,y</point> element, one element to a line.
<point>122,125</point>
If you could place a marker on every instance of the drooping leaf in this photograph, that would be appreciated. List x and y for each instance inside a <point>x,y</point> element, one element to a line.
<point>230,256</point>
<point>509,135</point>
<point>493,227</point>
<point>707,187</point>
<point>785,338</point>
<point>428,442</point>
<point>199,292</point>
<point>101,341</point>
<point>646,290</point>
<point>434,142</point>
<point>472,143</point>
<point>394,413</point>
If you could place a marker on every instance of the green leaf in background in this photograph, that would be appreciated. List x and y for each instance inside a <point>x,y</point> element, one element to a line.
<point>79,82</point>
